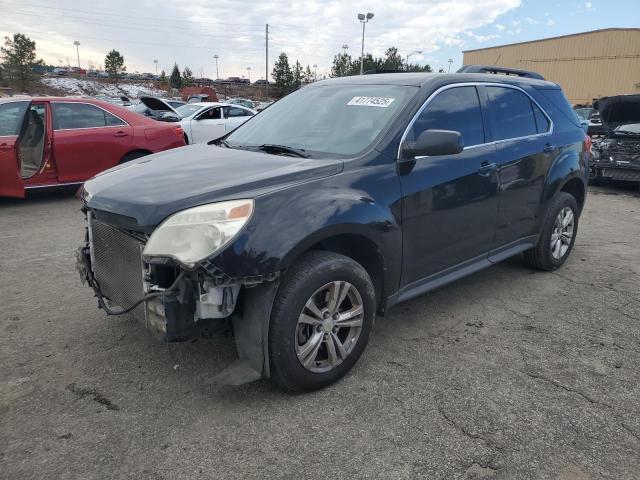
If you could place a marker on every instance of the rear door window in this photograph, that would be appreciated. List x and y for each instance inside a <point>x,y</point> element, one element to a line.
<point>511,113</point>
<point>67,116</point>
<point>456,109</point>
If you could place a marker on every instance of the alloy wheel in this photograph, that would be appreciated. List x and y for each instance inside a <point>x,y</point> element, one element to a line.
<point>562,233</point>
<point>329,326</point>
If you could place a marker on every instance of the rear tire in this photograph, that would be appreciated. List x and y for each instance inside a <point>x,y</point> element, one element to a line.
<point>555,244</point>
<point>313,342</point>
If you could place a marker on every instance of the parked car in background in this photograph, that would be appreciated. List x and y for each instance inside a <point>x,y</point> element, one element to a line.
<point>616,156</point>
<point>201,122</point>
<point>242,101</point>
<point>344,198</point>
<point>261,82</point>
<point>157,108</point>
<point>262,105</point>
<point>49,141</point>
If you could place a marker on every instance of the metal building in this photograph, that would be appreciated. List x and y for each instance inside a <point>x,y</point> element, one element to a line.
<point>587,65</point>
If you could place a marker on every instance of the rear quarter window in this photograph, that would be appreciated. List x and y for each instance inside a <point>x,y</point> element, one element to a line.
<point>556,97</point>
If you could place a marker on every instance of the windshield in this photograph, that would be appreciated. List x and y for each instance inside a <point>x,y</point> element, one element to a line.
<point>583,113</point>
<point>335,120</point>
<point>187,110</point>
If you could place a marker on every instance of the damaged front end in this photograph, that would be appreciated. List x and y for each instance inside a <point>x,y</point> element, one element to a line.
<point>616,156</point>
<point>162,282</point>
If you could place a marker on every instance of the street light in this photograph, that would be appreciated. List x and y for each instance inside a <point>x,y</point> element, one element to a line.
<point>315,72</point>
<point>363,20</point>
<point>450,62</point>
<point>216,57</point>
<point>419,52</point>
<point>77,44</point>
<point>156,62</point>
<point>345,47</point>
<point>249,74</point>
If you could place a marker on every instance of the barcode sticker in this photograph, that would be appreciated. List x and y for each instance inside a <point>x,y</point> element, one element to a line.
<point>383,102</point>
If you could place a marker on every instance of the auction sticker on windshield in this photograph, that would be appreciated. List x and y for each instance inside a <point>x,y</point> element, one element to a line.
<point>383,102</point>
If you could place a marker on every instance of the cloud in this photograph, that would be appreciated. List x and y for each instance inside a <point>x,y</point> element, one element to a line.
<point>550,22</point>
<point>589,6</point>
<point>499,26</point>
<point>311,31</point>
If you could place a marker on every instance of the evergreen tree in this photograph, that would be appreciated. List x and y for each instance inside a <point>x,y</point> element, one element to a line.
<point>341,65</point>
<point>308,75</point>
<point>187,77</point>
<point>114,64</point>
<point>19,58</point>
<point>282,75</point>
<point>297,75</point>
<point>175,80</point>
<point>163,77</point>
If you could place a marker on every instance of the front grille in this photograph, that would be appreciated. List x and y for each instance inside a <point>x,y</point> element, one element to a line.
<point>117,265</point>
<point>621,174</point>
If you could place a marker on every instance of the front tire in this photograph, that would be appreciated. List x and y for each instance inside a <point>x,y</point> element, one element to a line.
<point>321,320</point>
<point>559,230</point>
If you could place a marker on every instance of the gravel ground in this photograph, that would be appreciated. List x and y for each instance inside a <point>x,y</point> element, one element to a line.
<point>509,373</point>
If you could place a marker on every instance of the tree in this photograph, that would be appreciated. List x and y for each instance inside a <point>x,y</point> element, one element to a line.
<point>392,60</point>
<point>114,64</point>
<point>308,75</point>
<point>19,58</point>
<point>163,77</point>
<point>175,80</point>
<point>341,65</point>
<point>187,77</point>
<point>282,75</point>
<point>297,75</point>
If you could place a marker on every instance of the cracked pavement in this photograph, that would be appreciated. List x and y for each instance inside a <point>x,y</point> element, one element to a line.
<point>509,373</point>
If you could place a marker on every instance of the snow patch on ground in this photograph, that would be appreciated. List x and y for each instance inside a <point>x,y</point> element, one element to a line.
<point>76,86</point>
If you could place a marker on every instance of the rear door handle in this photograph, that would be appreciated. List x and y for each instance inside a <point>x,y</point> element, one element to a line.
<point>120,134</point>
<point>486,168</point>
<point>548,148</point>
<point>4,147</point>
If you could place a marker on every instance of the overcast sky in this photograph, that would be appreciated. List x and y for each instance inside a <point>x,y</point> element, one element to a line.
<point>312,31</point>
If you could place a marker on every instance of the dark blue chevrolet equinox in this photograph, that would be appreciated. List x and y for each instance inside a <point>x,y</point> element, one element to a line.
<point>339,201</point>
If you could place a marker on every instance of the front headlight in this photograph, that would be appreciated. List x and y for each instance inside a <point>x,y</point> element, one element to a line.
<point>197,233</point>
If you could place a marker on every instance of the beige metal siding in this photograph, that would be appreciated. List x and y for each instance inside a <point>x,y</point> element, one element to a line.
<point>587,66</point>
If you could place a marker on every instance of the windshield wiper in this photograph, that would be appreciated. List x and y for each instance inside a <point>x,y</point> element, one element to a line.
<point>219,142</point>
<point>272,148</point>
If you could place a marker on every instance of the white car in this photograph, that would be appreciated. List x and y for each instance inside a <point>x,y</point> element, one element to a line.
<point>203,121</point>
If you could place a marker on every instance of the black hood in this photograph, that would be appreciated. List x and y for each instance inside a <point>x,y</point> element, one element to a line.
<point>152,188</point>
<point>618,110</point>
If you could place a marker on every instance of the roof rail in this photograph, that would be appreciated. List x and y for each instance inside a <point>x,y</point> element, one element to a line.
<point>499,71</point>
<point>375,71</point>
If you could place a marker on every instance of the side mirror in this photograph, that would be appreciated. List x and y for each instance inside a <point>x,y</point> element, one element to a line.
<point>434,142</point>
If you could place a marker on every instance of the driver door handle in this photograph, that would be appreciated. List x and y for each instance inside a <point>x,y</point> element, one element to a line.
<point>120,134</point>
<point>548,148</point>
<point>4,147</point>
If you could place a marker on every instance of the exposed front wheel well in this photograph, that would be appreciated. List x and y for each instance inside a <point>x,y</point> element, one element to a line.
<point>133,154</point>
<point>575,188</point>
<point>363,251</point>
<point>186,139</point>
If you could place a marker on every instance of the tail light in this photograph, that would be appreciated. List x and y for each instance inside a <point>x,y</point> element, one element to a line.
<point>586,144</point>
<point>179,131</point>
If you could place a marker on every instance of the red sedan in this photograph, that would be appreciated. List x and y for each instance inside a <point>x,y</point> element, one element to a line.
<point>46,142</point>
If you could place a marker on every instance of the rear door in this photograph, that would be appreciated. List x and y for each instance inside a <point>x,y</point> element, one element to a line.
<point>12,116</point>
<point>235,116</point>
<point>207,125</point>
<point>87,140</point>
<point>524,153</point>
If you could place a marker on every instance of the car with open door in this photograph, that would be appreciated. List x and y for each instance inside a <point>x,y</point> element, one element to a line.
<point>342,199</point>
<point>48,141</point>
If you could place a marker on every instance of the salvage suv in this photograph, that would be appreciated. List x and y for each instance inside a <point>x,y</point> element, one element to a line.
<point>339,201</point>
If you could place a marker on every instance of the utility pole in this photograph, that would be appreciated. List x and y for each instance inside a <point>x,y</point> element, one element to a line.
<point>215,57</point>
<point>266,59</point>
<point>77,44</point>
<point>450,62</point>
<point>249,74</point>
<point>156,62</point>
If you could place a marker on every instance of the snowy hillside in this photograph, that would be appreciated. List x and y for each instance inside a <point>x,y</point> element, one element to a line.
<point>76,86</point>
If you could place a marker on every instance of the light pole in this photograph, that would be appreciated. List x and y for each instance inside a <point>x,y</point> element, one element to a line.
<point>315,72</point>
<point>450,62</point>
<point>363,20</point>
<point>77,44</point>
<point>419,52</point>
<point>345,47</point>
<point>156,62</point>
<point>216,57</point>
<point>249,74</point>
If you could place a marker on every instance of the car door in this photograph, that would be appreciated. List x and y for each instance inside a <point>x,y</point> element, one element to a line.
<point>87,140</point>
<point>207,125</point>
<point>236,116</point>
<point>12,119</point>
<point>449,204</point>
<point>524,155</point>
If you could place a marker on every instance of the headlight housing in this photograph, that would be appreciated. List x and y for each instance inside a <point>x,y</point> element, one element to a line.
<point>194,234</point>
